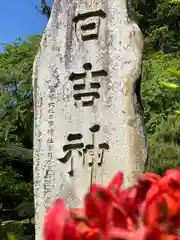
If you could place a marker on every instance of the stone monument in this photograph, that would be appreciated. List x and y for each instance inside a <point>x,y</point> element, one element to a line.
<point>87,104</point>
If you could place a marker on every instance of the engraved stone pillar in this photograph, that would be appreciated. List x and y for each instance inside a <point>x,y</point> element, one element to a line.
<point>87,104</point>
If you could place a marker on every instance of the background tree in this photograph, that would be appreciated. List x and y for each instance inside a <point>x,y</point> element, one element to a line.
<point>16,131</point>
<point>159,21</point>
<point>45,9</point>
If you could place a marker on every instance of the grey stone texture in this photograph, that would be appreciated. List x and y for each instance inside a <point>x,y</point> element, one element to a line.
<point>88,122</point>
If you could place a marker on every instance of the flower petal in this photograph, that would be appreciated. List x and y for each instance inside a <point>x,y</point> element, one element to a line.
<point>173,174</point>
<point>120,218</point>
<point>97,205</point>
<point>157,234</point>
<point>116,183</point>
<point>120,233</point>
<point>149,177</point>
<point>55,221</point>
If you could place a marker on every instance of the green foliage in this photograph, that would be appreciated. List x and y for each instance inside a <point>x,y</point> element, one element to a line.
<point>16,230</point>
<point>160,106</point>
<point>174,1</point>
<point>159,22</point>
<point>169,85</point>
<point>174,72</point>
<point>13,188</point>
<point>11,236</point>
<point>16,138</point>
<point>172,86</point>
<point>16,108</point>
<point>164,145</point>
<point>158,102</point>
<point>26,210</point>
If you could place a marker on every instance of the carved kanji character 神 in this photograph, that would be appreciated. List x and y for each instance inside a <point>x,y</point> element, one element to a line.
<point>91,150</point>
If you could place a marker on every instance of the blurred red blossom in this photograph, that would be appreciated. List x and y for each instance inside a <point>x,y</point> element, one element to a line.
<point>148,210</point>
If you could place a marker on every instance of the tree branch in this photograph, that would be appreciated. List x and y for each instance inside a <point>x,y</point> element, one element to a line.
<point>45,9</point>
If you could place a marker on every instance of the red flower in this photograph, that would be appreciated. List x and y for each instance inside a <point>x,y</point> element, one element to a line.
<point>115,184</point>
<point>63,224</point>
<point>148,210</point>
<point>55,221</point>
<point>132,198</point>
<point>97,205</point>
<point>162,203</point>
<point>158,234</point>
<point>77,227</point>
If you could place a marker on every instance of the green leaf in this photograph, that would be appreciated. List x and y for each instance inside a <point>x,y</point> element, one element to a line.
<point>169,85</point>
<point>177,111</point>
<point>3,149</point>
<point>174,1</point>
<point>25,209</point>
<point>174,72</point>
<point>11,236</point>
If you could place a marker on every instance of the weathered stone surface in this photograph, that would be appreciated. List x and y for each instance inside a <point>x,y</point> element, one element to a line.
<point>86,90</point>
